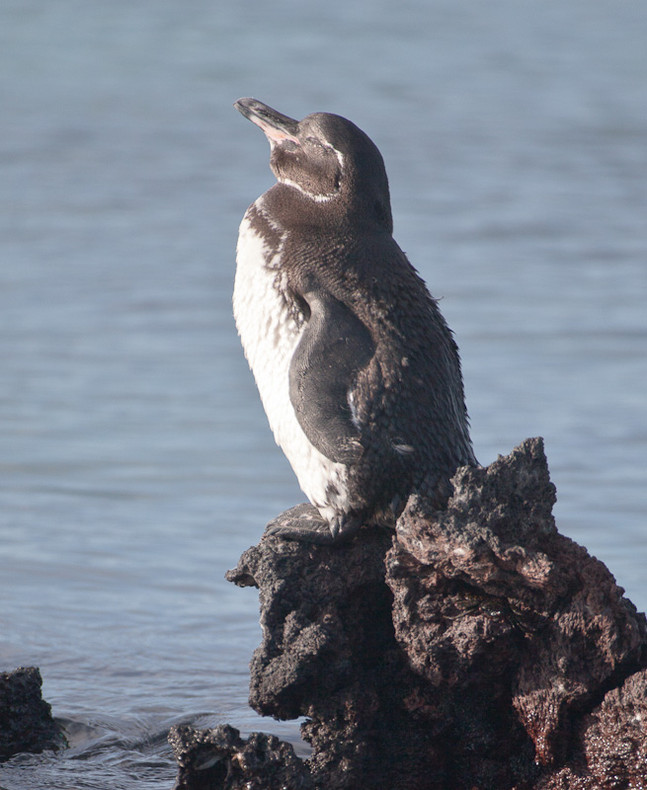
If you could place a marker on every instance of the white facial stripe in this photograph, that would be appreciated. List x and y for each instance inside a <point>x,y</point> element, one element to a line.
<point>316,198</point>
<point>354,415</point>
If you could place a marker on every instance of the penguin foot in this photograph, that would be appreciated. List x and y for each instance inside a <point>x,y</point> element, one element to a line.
<point>304,523</point>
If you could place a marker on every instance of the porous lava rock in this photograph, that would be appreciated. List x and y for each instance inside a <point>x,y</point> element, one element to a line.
<point>26,723</point>
<point>609,744</point>
<point>475,648</point>
<point>220,758</point>
<point>503,601</point>
<point>329,653</point>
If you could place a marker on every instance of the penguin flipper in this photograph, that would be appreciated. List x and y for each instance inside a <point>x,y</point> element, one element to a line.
<point>334,346</point>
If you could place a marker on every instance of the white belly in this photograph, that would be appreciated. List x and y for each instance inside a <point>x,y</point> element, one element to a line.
<point>269,335</point>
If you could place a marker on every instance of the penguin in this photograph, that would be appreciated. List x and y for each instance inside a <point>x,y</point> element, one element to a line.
<point>357,370</point>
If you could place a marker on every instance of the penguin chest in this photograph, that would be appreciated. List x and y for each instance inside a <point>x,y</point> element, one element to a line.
<point>270,330</point>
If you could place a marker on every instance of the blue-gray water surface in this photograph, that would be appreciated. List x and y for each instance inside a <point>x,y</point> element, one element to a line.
<point>136,464</point>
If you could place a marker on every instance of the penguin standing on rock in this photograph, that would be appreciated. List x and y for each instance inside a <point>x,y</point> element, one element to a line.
<point>357,370</point>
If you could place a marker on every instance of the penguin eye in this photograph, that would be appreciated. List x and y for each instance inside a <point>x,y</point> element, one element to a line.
<point>314,142</point>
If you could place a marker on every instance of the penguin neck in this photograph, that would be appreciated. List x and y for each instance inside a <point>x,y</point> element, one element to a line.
<point>294,209</point>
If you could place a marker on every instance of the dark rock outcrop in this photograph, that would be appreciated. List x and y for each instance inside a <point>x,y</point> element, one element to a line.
<point>330,654</point>
<point>26,723</point>
<point>476,648</point>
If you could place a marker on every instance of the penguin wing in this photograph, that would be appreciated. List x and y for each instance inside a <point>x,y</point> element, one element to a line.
<point>334,346</point>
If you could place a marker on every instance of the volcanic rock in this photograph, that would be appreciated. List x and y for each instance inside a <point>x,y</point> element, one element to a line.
<point>474,648</point>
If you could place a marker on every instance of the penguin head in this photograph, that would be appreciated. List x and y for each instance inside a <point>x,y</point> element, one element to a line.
<point>327,159</point>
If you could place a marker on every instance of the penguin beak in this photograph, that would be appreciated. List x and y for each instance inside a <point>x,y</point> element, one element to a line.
<point>277,127</point>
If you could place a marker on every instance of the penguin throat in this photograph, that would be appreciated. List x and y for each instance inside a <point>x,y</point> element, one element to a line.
<point>318,198</point>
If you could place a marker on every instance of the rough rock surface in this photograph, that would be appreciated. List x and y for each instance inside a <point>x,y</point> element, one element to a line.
<point>26,723</point>
<point>219,758</point>
<point>609,744</point>
<point>329,653</point>
<point>516,624</point>
<point>476,648</point>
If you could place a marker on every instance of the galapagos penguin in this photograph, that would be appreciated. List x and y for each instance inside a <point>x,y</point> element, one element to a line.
<point>357,370</point>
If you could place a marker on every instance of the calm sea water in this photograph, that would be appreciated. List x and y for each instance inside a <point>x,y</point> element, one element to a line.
<point>136,464</point>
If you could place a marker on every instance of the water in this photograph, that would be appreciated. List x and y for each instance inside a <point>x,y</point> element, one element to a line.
<point>135,462</point>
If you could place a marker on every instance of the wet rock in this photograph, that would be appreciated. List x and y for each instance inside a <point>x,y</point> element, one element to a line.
<point>26,723</point>
<point>475,648</point>
<point>219,759</point>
